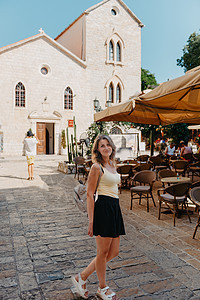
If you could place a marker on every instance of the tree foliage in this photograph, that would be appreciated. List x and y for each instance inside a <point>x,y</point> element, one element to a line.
<point>95,129</point>
<point>147,79</point>
<point>175,132</point>
<point>191,53</point>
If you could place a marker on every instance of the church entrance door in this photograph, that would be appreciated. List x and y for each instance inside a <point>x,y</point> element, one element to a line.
<point>45,133</point>
<point>41,134</point>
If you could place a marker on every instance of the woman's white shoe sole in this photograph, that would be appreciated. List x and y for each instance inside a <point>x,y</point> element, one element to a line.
<point>81,292</point>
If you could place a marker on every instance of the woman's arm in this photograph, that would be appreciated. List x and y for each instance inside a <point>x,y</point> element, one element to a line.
<point>91,188</point>
<point>166,150</point>
<point>182,149</point>
<point>37,139</point>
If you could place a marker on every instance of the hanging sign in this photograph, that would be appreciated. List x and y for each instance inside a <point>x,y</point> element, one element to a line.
<point>70,123</point>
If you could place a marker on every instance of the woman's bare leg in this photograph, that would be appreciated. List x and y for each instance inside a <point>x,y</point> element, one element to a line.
<point>103,246</point>
<point>32,170</point>
<point>113,252</point>
<point>29,171</point>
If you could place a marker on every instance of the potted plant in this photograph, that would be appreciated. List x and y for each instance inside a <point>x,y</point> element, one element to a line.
<point>63,143</point>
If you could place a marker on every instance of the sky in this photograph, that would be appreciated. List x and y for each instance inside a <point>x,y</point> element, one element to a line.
<point>168,25</point>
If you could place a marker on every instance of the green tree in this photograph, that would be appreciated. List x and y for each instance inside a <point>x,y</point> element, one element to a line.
<point>177,132</point>
<point>191,53</point>
<point>95,129</point>
<point>147,79</point>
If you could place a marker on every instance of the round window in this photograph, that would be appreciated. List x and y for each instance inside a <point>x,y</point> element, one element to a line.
<point>113,12</point>
<point>44,70</point>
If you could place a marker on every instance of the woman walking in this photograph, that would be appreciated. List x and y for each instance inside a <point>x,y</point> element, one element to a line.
<point>105,218</point>
<point>30,143</point>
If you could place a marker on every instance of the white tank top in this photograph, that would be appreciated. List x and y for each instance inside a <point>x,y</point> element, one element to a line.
<point>108,184</point>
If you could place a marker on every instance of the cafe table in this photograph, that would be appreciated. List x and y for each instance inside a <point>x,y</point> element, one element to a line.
<point>120,165</point>
<point>172,180</point>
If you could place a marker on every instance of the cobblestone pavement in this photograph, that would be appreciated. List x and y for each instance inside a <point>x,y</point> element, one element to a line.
<point>43,241</point>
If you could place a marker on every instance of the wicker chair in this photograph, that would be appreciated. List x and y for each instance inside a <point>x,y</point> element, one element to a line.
<point>195,197</point>
<point>130,161</point>
<point>180,166</point>
<point>196,156</point>
<point>158,164</point>
<point>166,173</point>
<point>143,191</point>
<point>143,167</point>
<point>172,197</point>
<point>139,168</point>
<point>188,157</point>
<point>80,166</point>
<point>125,173</point>
<point>143,158</point>
<point>194,169</point>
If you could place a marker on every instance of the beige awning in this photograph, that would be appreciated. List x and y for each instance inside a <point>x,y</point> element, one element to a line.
<point>174,101</point>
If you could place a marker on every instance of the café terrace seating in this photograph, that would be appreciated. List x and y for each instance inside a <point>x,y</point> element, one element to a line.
<point>195,197</point>
<point>145,178</point>
<point>172,197</point>
<point>125,172</point>
<point>166,173</point>
<point>180,166</point>
<point>158,164</point>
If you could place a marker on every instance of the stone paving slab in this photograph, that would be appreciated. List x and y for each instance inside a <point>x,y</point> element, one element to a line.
<point>43,241</point>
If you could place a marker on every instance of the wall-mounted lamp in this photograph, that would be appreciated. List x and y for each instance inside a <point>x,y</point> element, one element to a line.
<point>108,102</point>
<point>97,106</point>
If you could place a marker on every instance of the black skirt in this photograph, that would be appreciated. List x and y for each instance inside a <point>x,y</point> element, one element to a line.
<point>108,221</point>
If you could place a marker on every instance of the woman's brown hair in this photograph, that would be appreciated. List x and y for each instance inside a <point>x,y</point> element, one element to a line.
<point>96,155</point>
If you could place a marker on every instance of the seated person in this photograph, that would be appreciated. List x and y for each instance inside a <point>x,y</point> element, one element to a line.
<point>185,149</point>
<point>170,150</point>
<point>198,146</point>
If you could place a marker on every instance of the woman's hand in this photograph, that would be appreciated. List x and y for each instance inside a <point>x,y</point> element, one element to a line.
<point>90,229</point>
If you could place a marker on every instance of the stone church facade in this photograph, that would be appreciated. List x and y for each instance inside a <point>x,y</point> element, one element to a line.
<point>45,82</point>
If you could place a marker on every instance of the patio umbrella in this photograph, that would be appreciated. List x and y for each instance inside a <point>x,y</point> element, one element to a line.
<point>174,101</point>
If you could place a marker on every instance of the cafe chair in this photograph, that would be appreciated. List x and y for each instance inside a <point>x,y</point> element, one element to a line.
<point>130,161</point>
<point>194,169</point>
<point>143,167</point>
<point>79,166</point>
<point>171,159</point>
<point>138,168</point>
<point>180,166</point>
<point>188,157</point>
<point>143,158</point>
<point>195,197</point>
<point>196,157</point>
<point>195,184</point>
<point>125,173</point>
<point>166,173</point>
<point>145,179</point>
<point>158,164</point>
<point>174,196</point>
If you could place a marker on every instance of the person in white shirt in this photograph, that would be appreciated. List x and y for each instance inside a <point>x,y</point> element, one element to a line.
<point>170,150</point>
<point>30,143</point>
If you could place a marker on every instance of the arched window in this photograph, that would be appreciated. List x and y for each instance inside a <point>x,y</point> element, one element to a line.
<point>20,95</point>
<point>68,99</point>
<point>118,94</point>
<point>118,52</point>
<point>111,51</point>
<point>111,92</point>
<point>115,130</point>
